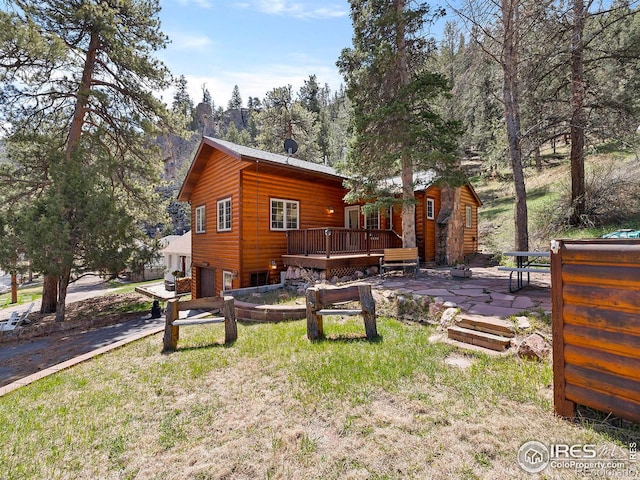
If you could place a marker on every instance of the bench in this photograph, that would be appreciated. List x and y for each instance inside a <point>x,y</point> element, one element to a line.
<point>327,301</point>
<point>400,258</point>
<point>526,262</point>
<point>173,321</point>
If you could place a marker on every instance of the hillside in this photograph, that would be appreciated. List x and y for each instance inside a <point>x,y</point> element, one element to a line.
<point>612,181</point>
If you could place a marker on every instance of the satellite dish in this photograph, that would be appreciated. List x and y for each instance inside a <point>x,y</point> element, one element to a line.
<point>290,146</point>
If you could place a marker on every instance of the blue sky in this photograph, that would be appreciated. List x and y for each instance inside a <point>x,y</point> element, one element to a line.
<point>255,44</point>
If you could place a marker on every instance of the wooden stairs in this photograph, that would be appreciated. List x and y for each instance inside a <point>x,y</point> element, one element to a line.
<point>487,332</point>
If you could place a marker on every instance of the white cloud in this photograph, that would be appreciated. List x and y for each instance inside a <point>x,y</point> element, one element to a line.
<point>297,9</point>
<point>182,41</point>
<point>256,83</point>
<point>198,3</point>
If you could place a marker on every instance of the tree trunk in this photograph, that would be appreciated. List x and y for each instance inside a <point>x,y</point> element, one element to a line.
<point>578,118</point>
<point>14,287</point>
<point>63,284</point>
<point>408,196</point>
<point>82,98</point>
<point>49,294</point>
<point>510,18</point>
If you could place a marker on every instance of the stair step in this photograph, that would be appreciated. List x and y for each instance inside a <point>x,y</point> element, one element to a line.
<point>494,325</point>
<point>481,339</point>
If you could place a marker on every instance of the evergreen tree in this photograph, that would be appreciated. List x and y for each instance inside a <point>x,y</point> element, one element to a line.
<point>280,118</point>
<point>97,107</point>
<point>182,103</point>
<point>236,100</point>
<point>396,129</point>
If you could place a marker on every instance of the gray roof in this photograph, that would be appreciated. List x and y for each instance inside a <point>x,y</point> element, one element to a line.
<point>254,153</point>
<point>421,180</point>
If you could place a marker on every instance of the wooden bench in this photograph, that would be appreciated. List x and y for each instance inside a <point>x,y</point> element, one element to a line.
<point>173,322</point>
<point>400,258</point>
<point>326,301</point>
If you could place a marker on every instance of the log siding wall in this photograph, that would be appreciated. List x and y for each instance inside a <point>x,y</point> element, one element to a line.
<point>470,234</point>
<point>596,326</point>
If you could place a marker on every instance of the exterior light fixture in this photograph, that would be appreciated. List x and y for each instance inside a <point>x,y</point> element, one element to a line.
<point>274,265</point>
<point>330,209</point>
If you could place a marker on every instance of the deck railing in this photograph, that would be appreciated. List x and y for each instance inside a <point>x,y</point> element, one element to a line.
<point>340,241</point>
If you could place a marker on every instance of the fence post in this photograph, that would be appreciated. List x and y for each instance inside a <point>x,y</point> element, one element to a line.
<point>171,333</point>
<point>368,305</point>
<point>230,324</point>
<point>314,322</point>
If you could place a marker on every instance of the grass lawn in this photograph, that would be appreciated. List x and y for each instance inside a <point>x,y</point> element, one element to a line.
<point>276,406</point>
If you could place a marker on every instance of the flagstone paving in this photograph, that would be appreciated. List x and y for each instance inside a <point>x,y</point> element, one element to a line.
<point>486,292</point>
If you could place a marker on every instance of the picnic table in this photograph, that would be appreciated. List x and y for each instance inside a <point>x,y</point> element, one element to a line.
<point>526,262</point>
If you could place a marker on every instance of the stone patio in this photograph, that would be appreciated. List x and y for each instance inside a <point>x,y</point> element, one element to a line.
<point>486,292</point>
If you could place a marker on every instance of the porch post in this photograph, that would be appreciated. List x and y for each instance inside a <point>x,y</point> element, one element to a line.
<point>327,236</point>
<point>306,243</point>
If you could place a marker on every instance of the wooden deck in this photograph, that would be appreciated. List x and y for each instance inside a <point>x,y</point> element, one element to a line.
<point>322,262</point>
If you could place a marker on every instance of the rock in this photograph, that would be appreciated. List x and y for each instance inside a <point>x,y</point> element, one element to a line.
<point>534,347</point>
<point>450,305</point>
<point>522,323</point>
<point>358,274</point>
<point>448,317</point>
<point>436,308</point>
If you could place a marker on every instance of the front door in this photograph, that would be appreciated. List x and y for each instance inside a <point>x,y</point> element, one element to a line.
<point>352,221</point>
<point>206,283</point>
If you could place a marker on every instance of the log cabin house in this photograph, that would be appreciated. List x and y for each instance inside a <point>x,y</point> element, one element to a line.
<point>255,213</point>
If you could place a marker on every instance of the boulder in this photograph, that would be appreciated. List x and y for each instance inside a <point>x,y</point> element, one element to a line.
<point>448,317</point>
<point>534,347</point>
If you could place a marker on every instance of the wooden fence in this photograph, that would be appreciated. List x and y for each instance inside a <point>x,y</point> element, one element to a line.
<point>596,326</point>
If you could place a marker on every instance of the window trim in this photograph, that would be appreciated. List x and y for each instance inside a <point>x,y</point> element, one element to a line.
<point>366,223</point>
<point>431,202</point>
<point>227,274</point>
<point>468,216</point>
<point>228,215</point>
<point>201,219</point>
<point>285,219</point>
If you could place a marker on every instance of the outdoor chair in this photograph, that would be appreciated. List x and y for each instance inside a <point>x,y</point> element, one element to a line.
<point>16,319</point>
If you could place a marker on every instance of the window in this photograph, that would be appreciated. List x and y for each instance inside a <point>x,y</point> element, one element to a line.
<point>372,220</point>
<point>200,219</point>
<point>227,280</point>
<point>469,216</point>
<point>431,208</point>
<point>224,215</point>
<point>284,214</point>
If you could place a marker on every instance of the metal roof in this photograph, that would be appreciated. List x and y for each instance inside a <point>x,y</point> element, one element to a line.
<point>248,153</point>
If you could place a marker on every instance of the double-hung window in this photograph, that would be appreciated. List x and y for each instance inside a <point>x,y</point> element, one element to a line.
<point>201,219</point>
<point>431,209</point>
<point>224,215</point>
<point>284,214</point>
<point>372,220</point>
<point>468,216</point>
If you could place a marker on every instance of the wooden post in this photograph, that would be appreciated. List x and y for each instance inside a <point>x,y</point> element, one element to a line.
<point>171,332</point>
<point>314,322</point>
<point>327,236</point>
<point>562,406</point>
<point>368,306</point>
<point>230,324</point>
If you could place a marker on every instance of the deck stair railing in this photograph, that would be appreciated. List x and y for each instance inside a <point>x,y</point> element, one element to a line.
<point>331,241</point>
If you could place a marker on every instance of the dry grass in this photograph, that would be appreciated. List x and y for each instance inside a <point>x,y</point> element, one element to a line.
<point>277,406</point>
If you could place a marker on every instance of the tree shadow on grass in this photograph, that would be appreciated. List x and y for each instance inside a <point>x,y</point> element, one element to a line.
<point>348,338</point>
<point>188,348</point>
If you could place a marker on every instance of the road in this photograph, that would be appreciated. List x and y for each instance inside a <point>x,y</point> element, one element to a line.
<point>19,359</point>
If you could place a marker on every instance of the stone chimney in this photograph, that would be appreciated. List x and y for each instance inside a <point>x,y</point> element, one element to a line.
<point>449,228</point>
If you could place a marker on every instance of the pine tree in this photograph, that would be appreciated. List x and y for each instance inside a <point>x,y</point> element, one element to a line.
<point>97,106</point>
<point>236,100</point>
<point>396,129</point>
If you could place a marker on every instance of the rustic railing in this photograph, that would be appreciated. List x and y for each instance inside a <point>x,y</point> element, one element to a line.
<point>340,241</point>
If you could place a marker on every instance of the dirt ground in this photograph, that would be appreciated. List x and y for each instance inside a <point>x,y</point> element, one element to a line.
<point>24,357</point>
